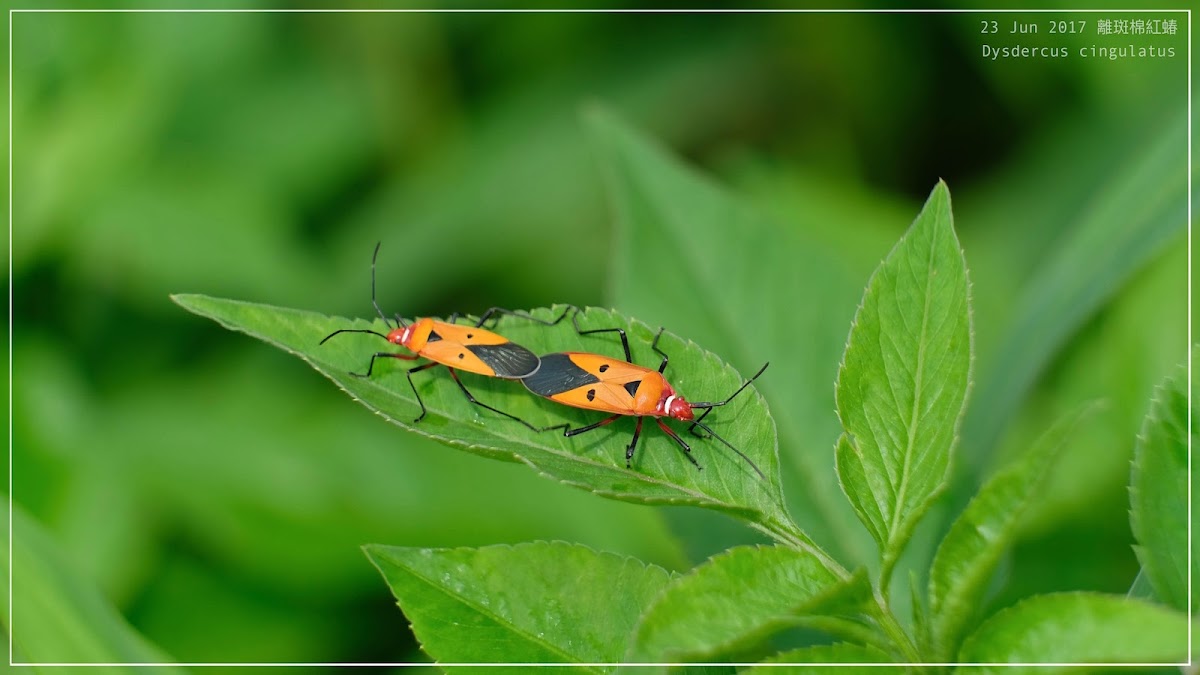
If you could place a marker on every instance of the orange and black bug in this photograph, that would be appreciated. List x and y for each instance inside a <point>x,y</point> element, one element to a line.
<point>458,347</point>
<point>595,382</point>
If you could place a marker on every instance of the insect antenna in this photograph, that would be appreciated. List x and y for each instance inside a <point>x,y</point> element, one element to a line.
<point>353,330</point>
<point>374,257</point>
<point>709,406</point>
<point>729,445</point>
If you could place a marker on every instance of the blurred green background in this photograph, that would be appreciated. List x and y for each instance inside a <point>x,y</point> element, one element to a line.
<point>216,490</point>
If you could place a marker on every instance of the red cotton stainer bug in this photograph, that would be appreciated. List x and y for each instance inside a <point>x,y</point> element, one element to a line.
<point>596,382</point>
<point>470,348</point>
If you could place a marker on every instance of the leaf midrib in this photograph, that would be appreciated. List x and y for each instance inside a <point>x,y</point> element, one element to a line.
<point>758,510</point>
<point>499,621</point>
<point>917,392</point>
<point>521,440</point>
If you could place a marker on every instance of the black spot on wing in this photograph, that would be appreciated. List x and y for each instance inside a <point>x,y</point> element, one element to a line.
<point>433,336</point>
<point>632,387</point>
<point>558,374</point>
<point>508,360</point>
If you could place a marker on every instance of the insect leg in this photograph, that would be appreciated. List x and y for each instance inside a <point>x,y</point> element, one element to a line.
<point>654,345</point>
<point>417,369</point>
<point>687,450</point>
<point>637,431</point>
<point>568,432</point>
<point>621,331</point>
<point>492,312</point>
<point>390,355</point>
<point>472,399</point>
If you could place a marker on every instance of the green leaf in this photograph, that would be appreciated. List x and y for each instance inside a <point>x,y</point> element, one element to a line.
<point>1158,494</point>
<point>738,598</point>
<point>1078,628</point>
<point>967,556</point>
<point>807,660</point>
<point>704,263</point>
<point>593,462</point>
<point>920,616</point>
<point>58,617</point>
<point>904,378</point>
<point>532,603</point>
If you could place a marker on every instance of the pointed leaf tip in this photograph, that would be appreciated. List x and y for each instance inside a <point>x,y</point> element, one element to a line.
<point>593,462</point>
<point>903,381</point>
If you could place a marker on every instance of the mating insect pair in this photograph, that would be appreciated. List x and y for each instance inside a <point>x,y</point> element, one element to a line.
<point>578,379</point>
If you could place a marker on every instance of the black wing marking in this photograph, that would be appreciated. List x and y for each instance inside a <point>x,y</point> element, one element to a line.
<point>507,360</point>
<point>558,374</point>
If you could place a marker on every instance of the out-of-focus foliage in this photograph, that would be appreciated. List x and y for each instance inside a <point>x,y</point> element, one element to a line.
<point>218,491</point>
<point>1162,479</point>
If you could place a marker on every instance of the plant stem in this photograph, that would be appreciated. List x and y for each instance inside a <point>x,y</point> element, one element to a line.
<point>887,565</point>
<point>790,534</point>
<point>887,621</point>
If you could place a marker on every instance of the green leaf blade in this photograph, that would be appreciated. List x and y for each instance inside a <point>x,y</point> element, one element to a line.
<point>1078,628</point>
<point>530,603</point>
<point>738,597</point>
<point>810,660</point>
<point>57,617</point>
<point>1158,494</point>
<point>970,551</point>
<point>593,462</point>
<point>703,261</point>
<point>904,379</point>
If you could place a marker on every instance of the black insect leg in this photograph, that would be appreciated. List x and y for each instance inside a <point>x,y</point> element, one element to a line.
<point>637,431</point>
<point>390,355</point>
<point>472,399</point>
<point>621,331</point>
<point>568,432</point>
<point>417,369</point>
<point>654,345</point>
<point>488,315</point>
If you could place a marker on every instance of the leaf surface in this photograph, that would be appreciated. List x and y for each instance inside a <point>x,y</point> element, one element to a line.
<point>530,603</point>
<point>970,551</point>
<point>1158,494</point>
<point>1078,628</point>
<point>706,264</point>
<point>738,597</point>
<point>809,660</point>
<point>904,378</point>
<point>57,616</point>
<point>593,461</point>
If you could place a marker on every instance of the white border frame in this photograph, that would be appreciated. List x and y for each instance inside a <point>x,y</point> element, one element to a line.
<point>593,11</point>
